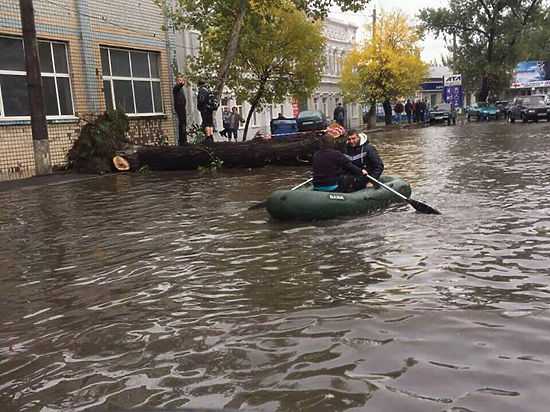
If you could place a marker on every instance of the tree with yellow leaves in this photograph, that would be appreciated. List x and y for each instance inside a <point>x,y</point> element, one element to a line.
<point>387,65</point>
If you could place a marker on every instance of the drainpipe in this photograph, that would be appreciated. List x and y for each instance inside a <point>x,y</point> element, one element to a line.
<point>91,72</point>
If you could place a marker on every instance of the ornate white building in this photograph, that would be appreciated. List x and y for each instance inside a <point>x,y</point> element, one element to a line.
<point>341,37</point>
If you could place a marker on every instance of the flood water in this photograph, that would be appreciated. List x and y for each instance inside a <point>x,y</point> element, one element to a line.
<point>164,291</point>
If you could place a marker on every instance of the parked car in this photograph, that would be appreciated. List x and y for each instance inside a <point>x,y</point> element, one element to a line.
<point>283,127</point>
<point>502,108</point>
<point>544,97</point>
<point>482,111</point>
<point>310,120</point>
<point>528,108</point>
<point>442,112</point>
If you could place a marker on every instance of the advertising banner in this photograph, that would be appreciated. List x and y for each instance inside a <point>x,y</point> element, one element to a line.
<point>431,86</point>
<point>453,80</point>
<point>295,107</point>
<point>454,95</point>
<point>453,92</point>
<point>531,73</point>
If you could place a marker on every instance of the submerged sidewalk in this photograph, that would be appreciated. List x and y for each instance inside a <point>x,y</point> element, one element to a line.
<point>46,180</point>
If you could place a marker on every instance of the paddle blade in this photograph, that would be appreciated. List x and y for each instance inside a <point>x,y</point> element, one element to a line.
<point>260,205</point>
<point>423,207</point>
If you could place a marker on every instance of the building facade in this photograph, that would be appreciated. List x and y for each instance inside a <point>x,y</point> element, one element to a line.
<point>431,89</point>
<point>341,39</point>
<point>94,55</point>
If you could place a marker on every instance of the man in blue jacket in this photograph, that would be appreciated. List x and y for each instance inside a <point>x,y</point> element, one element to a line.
<point>364,156</point>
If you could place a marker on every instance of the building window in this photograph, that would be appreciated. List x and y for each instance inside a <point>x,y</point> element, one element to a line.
<point>239,107</point>
<point>131,81</point>
<point>56,81</point>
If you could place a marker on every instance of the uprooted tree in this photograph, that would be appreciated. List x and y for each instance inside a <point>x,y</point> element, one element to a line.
<point>98,142</point>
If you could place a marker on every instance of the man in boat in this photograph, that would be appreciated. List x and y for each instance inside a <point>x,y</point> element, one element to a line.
<point>363,155</point>
<point>330,166</point>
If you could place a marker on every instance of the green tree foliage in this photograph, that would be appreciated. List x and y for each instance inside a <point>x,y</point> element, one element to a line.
<point>484,37</point>
<point>222,21</point>
<point>386,65</point>
<point>281,54</point>
<point>535,45</point>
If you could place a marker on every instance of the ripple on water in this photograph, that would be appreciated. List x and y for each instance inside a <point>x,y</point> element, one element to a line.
<point>164,291</point>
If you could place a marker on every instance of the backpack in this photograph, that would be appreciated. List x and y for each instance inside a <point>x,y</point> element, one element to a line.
<point>202,98</point>
<point>212,102</point>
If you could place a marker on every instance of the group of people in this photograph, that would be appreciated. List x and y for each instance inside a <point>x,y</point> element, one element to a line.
<point>348,170</point>
<point>207,104</point>
<point>231,121</point>
<point>416,111</point>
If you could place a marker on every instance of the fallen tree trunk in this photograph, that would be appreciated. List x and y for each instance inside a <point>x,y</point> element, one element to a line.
<point>255,153</point>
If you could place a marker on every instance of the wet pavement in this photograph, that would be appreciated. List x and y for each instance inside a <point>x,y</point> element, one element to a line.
<point>164,291</point>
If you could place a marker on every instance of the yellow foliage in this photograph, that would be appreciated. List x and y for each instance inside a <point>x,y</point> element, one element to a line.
<point>387,65</point>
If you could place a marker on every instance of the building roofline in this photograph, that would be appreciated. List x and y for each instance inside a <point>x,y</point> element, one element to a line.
<point>336,20</point>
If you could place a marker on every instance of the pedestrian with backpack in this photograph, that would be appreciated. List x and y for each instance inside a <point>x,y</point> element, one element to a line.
<point>207,104</point>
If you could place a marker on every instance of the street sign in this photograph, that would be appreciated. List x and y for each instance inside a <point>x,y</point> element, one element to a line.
<point>454,95</point>
<point>453,80</point>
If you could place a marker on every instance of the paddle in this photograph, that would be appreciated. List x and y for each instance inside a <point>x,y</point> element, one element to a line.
<point>262,204</point>
<point>419,206</point>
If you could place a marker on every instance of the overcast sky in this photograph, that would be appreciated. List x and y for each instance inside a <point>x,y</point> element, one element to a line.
<point>432,48</point>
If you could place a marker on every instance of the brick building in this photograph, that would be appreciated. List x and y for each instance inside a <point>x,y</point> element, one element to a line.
<point>94,55</point>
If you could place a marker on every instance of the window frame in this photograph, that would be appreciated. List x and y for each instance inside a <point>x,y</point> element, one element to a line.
<point>111,79</point>
<point>43,74</point>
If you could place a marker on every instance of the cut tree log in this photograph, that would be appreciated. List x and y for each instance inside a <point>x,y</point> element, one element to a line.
<point>251,154</point>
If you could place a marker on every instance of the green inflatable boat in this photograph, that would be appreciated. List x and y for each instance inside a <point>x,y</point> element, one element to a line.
<point>307,204</point>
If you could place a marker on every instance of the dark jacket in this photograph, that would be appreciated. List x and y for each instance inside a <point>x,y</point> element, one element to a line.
<point>202,99</point>
<point>339,113</point>
<point>329,165</point>
<point>365,156</point>
<point>180,102</point>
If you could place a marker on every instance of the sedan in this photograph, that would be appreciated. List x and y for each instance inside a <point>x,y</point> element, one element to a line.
<point>482,111</point>
<point>443,112</point>
<point>528,108</point>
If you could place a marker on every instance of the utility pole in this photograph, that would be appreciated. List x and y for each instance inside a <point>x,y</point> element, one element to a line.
<point>371,117</point>
<point>374,22</point>
<point>39,125</point>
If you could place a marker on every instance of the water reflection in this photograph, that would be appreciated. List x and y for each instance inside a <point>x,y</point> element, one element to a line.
<point>165,291</point>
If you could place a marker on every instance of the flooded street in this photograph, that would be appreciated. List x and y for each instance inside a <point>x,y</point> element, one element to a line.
<point>164,291</point>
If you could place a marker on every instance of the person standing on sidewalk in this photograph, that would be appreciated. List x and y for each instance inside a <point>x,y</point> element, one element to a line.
<point>409,110</point>
<point>206,105</point>
<point>398,109</point>
<point>340,115</point>
<point>180,107</point>
<point>235,119</point>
